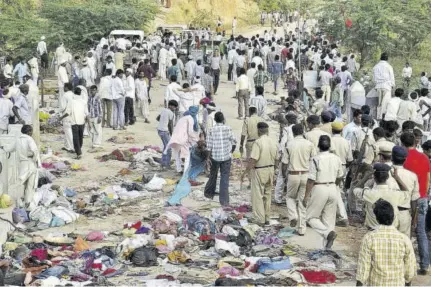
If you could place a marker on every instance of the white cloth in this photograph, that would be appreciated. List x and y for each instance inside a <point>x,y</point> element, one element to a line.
<point>105,87</point>
<point>23,104</point>
<point>7,71</point>
<point>87,75</point>
<point>250,75</point>
<point>407,72</point>
<point>257,60</point>
<point>198,92</point>
<point>141,89</point>
<point>95,130</point>
<point>63,78</point>
<point>242,83</point>
<point>186,100</point>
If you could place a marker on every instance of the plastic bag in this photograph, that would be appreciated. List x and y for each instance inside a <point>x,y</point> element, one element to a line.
<point>273,265</point>
<point>144,257</point>
<point>95,236</point>
<point>19,215</point>
<point>155,184</point>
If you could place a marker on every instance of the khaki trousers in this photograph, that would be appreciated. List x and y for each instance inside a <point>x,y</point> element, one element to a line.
<point>243,103</point>
<point>326,93</point>
<point>261,186</point>
<point>296,185</point>
<point>405,222</point>
<point>248,148</point>
<point>322,208</point>
<point>95,131</point>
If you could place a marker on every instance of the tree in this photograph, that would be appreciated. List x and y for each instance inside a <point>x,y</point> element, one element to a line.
<point>377,25</point>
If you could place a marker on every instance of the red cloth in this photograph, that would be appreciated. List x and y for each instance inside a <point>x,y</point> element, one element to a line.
<point>419,164</point>
<point>40,254</point>
<point>318,276</point>
<point>349,23</point>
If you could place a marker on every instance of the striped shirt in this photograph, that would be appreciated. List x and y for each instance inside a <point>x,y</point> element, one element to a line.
<point>386,258</point>
<point>94,107</point>
<point>383,75</point>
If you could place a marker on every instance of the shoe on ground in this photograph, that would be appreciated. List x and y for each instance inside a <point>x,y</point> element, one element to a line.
<point>293,223</point>
<point>342,223</point>
<point>330,239</point>
<point>423,272</point>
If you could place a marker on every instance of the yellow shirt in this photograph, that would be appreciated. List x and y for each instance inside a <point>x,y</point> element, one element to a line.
<point>298,153</point>
<point>314,136</point>
<point>341,147</point>
<point>386,258</point>
<point>249,128</point>
<point>264,151</point>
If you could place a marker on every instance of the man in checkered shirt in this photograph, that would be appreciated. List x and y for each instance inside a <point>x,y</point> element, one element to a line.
<point>221,143</point>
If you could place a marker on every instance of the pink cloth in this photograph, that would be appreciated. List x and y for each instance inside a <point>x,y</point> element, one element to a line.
<point>183,136</point>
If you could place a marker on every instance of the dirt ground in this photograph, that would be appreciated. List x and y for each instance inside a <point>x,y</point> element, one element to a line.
<point>348,240</point>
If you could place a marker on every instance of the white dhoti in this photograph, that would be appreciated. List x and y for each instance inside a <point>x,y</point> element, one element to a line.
<point>144,107</point>
<point>162,69</point>
<point>68,136</point>
<point>28,177</point>
<point>384,96</point>
<point>95,132</point>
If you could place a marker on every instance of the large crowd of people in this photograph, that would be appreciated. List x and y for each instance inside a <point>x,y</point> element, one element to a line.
<point>376,166</point>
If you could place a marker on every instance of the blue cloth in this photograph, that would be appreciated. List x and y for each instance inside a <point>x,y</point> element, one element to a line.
<point>182,189</point>
<point>197,164</point>
<point>193,111</point>
<point>421,235</point>
<point>268,264</point>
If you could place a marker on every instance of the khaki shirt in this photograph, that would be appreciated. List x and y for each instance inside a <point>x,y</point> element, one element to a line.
<point>319,106</point>
<point>264,151</point>
<point>314,136</point>
<point>298,153</point>
<point>341,147</point>
<point>326,128</point>
<point>410,179</point>
<point>370,147</point>
<point>381,142</point>
<point>249,128</point>
<point>370,195</point>
<point>325,167</point>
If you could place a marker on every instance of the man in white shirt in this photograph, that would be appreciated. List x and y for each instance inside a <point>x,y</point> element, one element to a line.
<point>63,77</point>
<point>22,107</point>
<point>257,60</point>
<point>169,91</point>
<point>259,102</point>
<point>231,56</point>
<point>110,65</point>
<point>118,101</point>
<point>59,54</point>
<point>250,75</point>
<point>129,87</point>
<point>87,75</point>
<point>6,112</point>
<point>243,93</point>
<point>198,91</point>
<point>353,126</point>
<point>325,79</point>
<point>407,74</point>
<point>105,92</point>
<point>424,80</point>
<point>234,23</point>
<point>142,96</point>
<point>28,160</point>
<point>290,63</point>
<point>186,98</point>
<point>190,69</point>
<point>66,121</point>
<point>390,110</point>
<point>77,110</point>
<point>34,68</point>
<point>43,52</point>
<point>172,54</point>
<point>383,75</point>
<point>163,59</point>
<point>7,70</point>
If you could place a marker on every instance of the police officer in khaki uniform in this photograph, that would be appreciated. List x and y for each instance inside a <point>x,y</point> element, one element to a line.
<point>249,131</point>
<point>326,172</point>
<point>326,126</point>
<point>381,190</point>
<point>315,132</point>
<point>296,162</point>
<point>341,147</point>
<point>399,155</point>
<point>261,165</point>
<point>379,137</point>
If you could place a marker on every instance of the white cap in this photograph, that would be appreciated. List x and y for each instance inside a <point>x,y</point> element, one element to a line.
<point>42,38</point>
<point>129,70</point>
